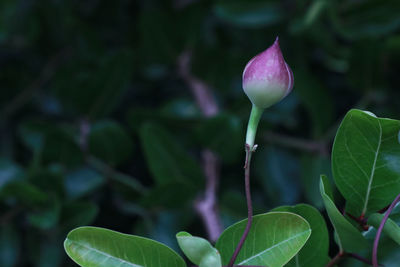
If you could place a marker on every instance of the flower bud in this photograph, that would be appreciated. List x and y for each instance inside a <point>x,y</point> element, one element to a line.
<point>267,78</point>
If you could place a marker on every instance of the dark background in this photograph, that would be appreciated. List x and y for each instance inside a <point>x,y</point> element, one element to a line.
<point>115,113</point>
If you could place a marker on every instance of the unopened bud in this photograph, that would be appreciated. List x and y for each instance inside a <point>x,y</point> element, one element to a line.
<point>267,78</point>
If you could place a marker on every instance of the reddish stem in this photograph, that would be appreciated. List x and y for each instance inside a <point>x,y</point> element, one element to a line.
<point>379,232</point>
<point>249,206</point>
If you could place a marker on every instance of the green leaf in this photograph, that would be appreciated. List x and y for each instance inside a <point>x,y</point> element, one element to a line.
<point>316,99</point>
<point>167,160</point>
<point>348,237</point>
<point>212,133</point>
<point>391,229</point>
<point>24,192</point>
<point>110,142</point>
<point>278,171</point>
<point>77,213</point>
<point>315,251</point>
<point>171,195</point>
<point>198,250</point>
<point>311,168</point>
<point>250,14</point>
<point>274,239</point>
<point>104,75</point>
<point>99,247</point>
<point>82,181</point>
<point>368,18</point>
<point>366,161</point>
<point>9,171</point>
<point>46,215</point>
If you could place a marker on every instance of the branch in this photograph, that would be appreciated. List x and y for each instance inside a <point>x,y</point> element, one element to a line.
<point>115,175</point>
<point>379,232</point>
<point>318,147</point>
<point>249,150</point>
<point>200,90</point>
<point>206,206</point>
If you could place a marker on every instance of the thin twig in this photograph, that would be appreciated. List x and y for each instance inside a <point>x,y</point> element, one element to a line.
<point>379,232</point>
<point>249,206</point>
<point>313,146</point>
<point>201,91</point>
<point>115,175</point>
<point>206,206</point>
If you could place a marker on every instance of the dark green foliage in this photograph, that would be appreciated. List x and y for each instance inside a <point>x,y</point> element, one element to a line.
<point>99,127</point>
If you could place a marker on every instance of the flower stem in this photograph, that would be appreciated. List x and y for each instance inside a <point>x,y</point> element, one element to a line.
<point>379,232</point>
<point>249,150</point>
<point>254,119</point>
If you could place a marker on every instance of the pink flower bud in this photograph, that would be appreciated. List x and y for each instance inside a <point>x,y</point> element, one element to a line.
<point>267,78</point>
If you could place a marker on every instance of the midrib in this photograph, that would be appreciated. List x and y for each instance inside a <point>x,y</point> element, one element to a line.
<point>371,177</point>
<point>105,254</point>
<point>274,246</point>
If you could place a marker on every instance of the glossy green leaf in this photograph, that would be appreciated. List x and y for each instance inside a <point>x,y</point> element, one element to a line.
<point>110,142</point>
<point>98,247</point>
<point>274,239</point>
<point>391,229</point>
<point>348,237</point>
<point>366,161</point>
<point>198,250</point>
<point>315,251</point>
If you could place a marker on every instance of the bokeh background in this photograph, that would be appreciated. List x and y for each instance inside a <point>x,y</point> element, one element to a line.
<point>130,114</point>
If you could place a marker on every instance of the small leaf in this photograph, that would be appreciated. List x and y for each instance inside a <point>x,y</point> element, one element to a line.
<point>99,247</point>
<point>391,228</point>
<point>348,237</point>
<point>273,240</point>
<point>198,250</point>
<point>315,251</point>
<point>366,161</point>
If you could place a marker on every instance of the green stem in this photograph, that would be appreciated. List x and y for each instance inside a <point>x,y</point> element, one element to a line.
<point>254,119</point>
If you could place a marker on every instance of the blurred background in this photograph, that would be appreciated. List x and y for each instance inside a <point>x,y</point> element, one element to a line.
<point>130,114</point>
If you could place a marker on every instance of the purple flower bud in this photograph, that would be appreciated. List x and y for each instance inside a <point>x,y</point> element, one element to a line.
<point>267,78</point>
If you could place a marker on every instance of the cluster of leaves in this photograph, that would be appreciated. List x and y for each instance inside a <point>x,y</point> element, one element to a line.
<point>97,127</point>
<point>365,162</point>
